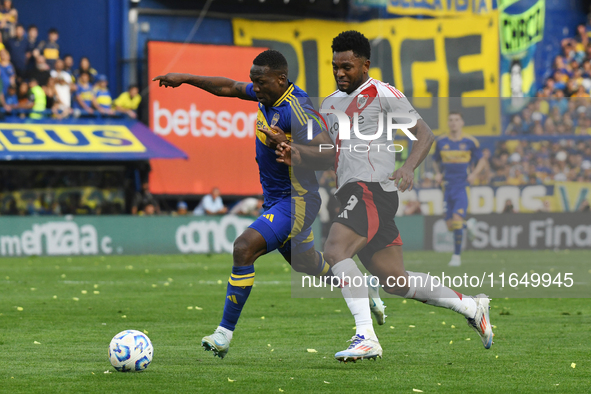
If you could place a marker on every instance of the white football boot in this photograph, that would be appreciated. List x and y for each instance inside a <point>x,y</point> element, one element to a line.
<point>455,261</point>
<point>375,302</point>
<point>481,321</point>
<point>471,228</point>
<point>360,348</point>
<point>217,342</point>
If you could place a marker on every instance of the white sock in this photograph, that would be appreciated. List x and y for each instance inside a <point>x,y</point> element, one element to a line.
<point>355,296</point>
<point>438,295</point>
<point>227,332</point>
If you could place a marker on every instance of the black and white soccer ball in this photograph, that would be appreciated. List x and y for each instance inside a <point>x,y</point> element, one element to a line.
<point>130,351</point>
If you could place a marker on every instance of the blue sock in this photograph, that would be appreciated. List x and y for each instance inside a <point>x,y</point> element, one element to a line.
<point>458,241</point>
<point>239,286</point>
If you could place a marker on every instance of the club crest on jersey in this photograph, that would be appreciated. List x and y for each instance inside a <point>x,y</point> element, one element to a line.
<point>362,100</point>
<point>275,119</point>
<point>463,146</point>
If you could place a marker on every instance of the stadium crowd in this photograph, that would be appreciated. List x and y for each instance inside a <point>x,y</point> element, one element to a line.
<point>38,80</point>
<point>563,105</point>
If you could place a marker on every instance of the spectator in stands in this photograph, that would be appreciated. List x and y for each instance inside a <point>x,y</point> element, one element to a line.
<point>32,44</point>
<point>85,94</point>
<point>8,19</point>
<point>69,65</point>
<point>149,210</point>
<point>144,201</point>
<point>211,204</point>
<point>250,206</point>
<point>54,103</point>
<point>63,83</point>
<point>11,98</point>
<point>181,208</point>
<point>39,97</point>
<point>103,101</point>
<point>17,47</point>
<point>25,99</point>
<point>7,73</point>
<point>128,102</point>
<point>50,49</point>
<point>85,67</point>
<point>41,71</point>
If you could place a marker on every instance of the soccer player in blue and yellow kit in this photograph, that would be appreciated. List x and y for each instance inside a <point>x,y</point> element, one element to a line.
<point>291,199</point>
<point>455,153</point>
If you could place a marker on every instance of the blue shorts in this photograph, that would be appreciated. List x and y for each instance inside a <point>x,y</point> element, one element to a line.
<point>287,225</point>
<point>455,200</point>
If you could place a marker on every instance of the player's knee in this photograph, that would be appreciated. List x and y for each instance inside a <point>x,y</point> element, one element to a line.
<point>242,253</point>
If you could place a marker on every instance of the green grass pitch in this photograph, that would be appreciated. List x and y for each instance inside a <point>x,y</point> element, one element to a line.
<point>58,315</point>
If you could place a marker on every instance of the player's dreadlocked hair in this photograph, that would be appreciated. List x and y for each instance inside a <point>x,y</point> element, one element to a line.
<point>352,40</point>
<point>272,59</point>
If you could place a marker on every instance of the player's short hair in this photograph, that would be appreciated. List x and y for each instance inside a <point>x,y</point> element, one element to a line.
<point>272,59</point>
<point>457,113</point>
<point>352,40</point>
<point>53,30</point>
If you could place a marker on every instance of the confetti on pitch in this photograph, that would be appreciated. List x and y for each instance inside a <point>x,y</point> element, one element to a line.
<point>219,282</point>
<point>262,317</point>
<point>76,298</point>
<point>107,372</point>
<point>37,343</point>
<point>468,339</point>
<point>443,323</point>
<point>189,307</point>
<point>392,327</point>
<point>312,350</point>
<point>417,391</point>
<point>411,326</point>
<point>230,380</point>
<point>450,342</point>
<point>497,356</point>
<point>154,285</point>
<point>84,292</point>
<point>19,308</point>
<point>452,326</point>
<point>573,365</point>
<point>326,382</point>
<point>404,301</point>
<point>198,308</point>
<point>96,292</point>
<point>280,390</point>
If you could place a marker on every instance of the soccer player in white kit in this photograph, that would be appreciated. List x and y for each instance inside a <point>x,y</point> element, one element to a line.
<point>367,188</point>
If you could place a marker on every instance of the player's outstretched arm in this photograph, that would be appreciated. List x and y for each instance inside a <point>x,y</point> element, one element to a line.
<point>404,176</point>
<point>220,86</point>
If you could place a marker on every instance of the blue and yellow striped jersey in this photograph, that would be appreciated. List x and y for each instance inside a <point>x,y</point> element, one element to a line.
<point>455,157</point>
<point>277,179</point>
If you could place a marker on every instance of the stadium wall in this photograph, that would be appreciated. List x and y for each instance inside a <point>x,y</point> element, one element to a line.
<point>536,231</point>
<point>134,235</point>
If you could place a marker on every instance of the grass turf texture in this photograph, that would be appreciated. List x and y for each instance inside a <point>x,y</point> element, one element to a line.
<point>536,340</point>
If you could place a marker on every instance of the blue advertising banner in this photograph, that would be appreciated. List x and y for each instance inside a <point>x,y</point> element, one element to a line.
<point>79,139</point>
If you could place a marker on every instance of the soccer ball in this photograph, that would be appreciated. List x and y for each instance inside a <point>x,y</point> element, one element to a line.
<point>130,350</point>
